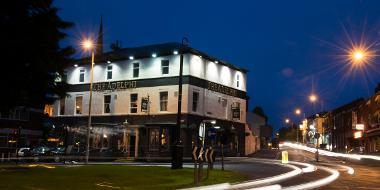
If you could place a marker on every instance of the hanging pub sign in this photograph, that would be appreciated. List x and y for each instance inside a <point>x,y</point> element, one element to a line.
<point>144,104</point>
<point>236,113</point>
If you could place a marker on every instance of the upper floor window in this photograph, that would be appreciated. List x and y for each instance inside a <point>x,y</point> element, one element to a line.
<point>238,81</point>
<point>165,67</point>
<point>107,103</point>
<point>164,101</point>
<point>109,72</point>
<point>133,107</point>
<point>81,75</point>
<point>136,68</point>
<point>79,105</point>
<point>62,106</point>
<point>195,101</point>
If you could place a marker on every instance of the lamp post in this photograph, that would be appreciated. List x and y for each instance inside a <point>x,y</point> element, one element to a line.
<point>177,150</point>
<point>298,112</point>
<point>88,45</point>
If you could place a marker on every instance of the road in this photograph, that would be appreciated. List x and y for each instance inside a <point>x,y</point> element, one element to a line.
<point>366,173</point>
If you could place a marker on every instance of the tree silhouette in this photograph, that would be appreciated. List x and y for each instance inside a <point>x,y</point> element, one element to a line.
<point>32,58</point>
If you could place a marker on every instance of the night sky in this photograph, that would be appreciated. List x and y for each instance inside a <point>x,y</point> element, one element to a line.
<point>291,48</point>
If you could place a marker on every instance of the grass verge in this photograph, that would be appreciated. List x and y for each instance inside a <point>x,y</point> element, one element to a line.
<point>105,177</point>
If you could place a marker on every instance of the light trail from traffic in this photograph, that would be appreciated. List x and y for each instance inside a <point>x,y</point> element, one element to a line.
<point>332,154</point>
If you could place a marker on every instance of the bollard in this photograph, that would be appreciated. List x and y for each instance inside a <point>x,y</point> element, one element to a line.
<point>9,156</point>
<point>195,165</point>
<point>2,157</point>
<point>285,158</point>
<point>200,171</point>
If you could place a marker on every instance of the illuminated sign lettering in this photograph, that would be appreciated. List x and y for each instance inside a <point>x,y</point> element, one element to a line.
<point>114,86</point>
<point>221,89</point>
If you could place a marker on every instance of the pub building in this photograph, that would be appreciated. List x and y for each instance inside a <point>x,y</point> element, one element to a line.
<point>135,96</point>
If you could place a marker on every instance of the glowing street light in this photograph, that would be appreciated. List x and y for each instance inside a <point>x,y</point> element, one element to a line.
<point>313,98</point>
<point>88,45</point>
<point>297,111</point>
<point>359,55</point>
<point>287,120</point>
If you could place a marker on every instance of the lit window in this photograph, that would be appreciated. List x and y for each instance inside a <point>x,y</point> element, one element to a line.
<point>165,138</point>
<point>134,98</point>
<point>195,101</point>
<point>78,105</point>
<point>109,72</point>
<point>238,81</point>
<point>136,68</point>
<point>62,106</point>
<point>163,101</point>
<point>107,103</point>
<point>165,67</point>
<point>81,75</point>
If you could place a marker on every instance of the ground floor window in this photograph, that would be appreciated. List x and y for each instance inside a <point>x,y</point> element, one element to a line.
<point>159,139</point>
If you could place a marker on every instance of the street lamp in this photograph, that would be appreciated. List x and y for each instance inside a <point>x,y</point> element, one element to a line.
<point>359,55</point>
<point>313,98</point>
<point>88,45</point>
<point>287,120</point>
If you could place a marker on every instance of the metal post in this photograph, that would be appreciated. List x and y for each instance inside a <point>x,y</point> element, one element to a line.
<point>222,157</point>
<point>89,108</point>
<point>177,151</point>
<point>176,155</point>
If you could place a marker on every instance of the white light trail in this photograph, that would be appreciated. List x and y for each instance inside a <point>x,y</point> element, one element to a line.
<point>324,152</point>
<point>348,169</point>
<point>270,180</point>
<point>271,187</point>
<point>317,183</point>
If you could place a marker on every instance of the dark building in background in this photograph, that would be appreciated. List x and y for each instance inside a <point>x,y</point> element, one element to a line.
<point>21,127</point>
<point>266,132</point>
<point>343,121</point>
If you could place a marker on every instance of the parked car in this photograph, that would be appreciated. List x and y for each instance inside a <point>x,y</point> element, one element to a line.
<point>40,151</point>
<point>57,151</point>
<point>23,151</point>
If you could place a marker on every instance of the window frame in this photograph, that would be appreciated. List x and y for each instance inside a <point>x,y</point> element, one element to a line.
<point>135,69</point>
<point>196,103</point>
<point>238,81</point>
<point>82,73</point>
<point>105,104</point>
<point>163,101</point>
<point>135,103</point>
<point>165,61</point>
<point>109,72</point>
<point>76,105</point>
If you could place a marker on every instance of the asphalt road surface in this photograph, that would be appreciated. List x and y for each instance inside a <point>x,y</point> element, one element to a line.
<point>366,174</point>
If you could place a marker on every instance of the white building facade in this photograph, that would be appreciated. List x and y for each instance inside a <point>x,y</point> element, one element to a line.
<point>136,90</point>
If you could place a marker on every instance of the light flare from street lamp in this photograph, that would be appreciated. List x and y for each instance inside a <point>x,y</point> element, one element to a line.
<point>313,98</point>
<point>287,120</point>
<point>87,44</point>
<point>298,111</point>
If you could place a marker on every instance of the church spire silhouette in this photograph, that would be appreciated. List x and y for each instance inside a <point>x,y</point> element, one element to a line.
<point>99,42</point>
